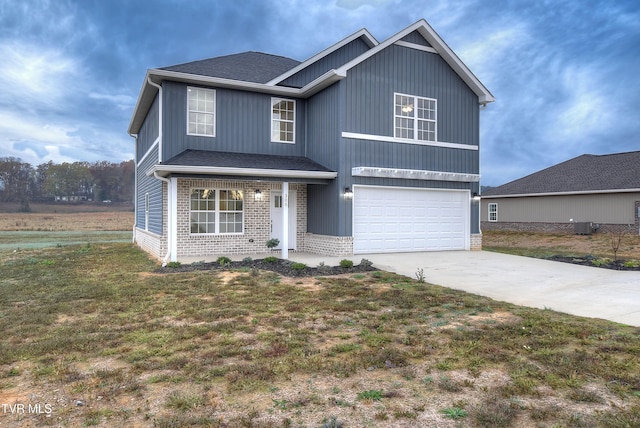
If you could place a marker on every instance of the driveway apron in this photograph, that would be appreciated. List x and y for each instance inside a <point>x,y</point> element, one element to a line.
<point>577,290</point>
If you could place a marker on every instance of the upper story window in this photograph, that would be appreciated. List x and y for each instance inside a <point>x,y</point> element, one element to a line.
<point>283,113</point>
<point>415,118</point>
<point>493,211</point>
<point>201,112</point>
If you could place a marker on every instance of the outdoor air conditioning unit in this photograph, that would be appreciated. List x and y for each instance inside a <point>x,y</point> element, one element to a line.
<point>583,228</point>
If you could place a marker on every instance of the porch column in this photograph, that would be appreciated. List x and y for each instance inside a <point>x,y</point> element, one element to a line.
<point>173,218</point>
<point>285,220</point>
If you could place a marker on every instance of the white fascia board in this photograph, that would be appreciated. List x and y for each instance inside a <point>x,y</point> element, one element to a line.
<point>164,170</point>
<point>369,40</point>
<point>147,93</point>
<point>582,192</point>
<point>413,174</point>
<point>484,96</point>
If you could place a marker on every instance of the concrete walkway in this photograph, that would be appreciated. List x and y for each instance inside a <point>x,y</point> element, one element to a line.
<point>577,290</point>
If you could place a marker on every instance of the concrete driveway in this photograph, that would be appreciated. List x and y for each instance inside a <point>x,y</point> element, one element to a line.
<point>563,287</point>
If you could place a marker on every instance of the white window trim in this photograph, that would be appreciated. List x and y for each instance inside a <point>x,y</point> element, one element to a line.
<point>494,211</point>
<point>415,118</point>
<point>215,115</point>
<point>217,212</point>
<point>275,100</point>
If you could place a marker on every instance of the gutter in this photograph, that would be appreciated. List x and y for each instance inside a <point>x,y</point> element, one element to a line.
<point>164,170</point>
<point>581,192</point>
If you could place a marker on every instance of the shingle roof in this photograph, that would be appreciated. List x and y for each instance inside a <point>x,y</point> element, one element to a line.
<point>582,174</point>
<point>245,160</point>
<point>256,67</point>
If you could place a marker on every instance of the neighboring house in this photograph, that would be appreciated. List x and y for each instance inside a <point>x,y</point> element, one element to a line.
<point>365,147</point>
<point>603,190</point>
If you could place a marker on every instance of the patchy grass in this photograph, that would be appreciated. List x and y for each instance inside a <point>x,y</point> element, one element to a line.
<point>544,245</point>
<point>90,331</point>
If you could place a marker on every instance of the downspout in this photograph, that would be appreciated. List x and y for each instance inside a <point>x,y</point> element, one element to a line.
<point>155,174</point>
<point>135,187</point>
<point>169,233</point>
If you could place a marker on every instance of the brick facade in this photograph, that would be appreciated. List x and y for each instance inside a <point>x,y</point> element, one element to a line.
<point>257,219</point>
<point>476,241</point>
<point>567,228</point>
<point>328,245</point>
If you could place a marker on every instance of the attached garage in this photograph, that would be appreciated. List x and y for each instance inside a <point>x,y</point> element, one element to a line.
<point>393,219</point>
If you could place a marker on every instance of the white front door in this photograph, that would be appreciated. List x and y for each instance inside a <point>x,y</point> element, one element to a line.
<point>276,218</point>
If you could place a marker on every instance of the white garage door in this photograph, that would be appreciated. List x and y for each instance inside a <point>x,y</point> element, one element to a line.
<point>388,219</point>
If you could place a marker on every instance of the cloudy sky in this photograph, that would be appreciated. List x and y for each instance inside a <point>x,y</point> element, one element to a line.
<point>565,73</point>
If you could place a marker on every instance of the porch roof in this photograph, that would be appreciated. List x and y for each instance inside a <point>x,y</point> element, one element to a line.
<point>206,162</point>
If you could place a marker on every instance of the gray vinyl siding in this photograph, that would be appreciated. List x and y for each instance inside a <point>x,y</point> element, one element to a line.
<point>332,61</point>
<point>416,38</point>
<point>371,86</point>
<point>365,101</point>
<point>148,131</point>
<point>243,124</point>
<point>153,186</point>
<point>323,127</point>
<point>610,208</point>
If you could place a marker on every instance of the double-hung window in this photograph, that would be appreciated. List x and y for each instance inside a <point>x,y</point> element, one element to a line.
<point>201,112</point>
<point>283,114</point>
<point>216,211</point>
<point>493,211</point>
<point>415,118</point>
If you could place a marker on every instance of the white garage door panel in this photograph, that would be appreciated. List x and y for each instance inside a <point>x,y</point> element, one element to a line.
<point>387,219</point>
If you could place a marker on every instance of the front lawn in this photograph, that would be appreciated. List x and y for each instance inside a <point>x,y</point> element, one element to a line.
<point>93,336</point>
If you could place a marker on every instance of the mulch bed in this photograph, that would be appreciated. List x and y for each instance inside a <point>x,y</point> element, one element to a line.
<point>595,262</point>
<point>282,267</point>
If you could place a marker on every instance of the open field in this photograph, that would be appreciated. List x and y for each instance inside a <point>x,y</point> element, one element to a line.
<point>75,221</point>
<point>91,336</point>
<point>546,244</point>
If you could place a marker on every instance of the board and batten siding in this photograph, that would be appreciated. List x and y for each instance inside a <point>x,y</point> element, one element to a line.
<point>148,133</point>
<point>332,61</point>
<point>243,124</point>
<point>608,208</point>
<point>370,88</point>
<point>152,186</point>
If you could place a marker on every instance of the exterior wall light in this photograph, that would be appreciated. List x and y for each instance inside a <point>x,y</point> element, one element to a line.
<point>258,195</point>
<point>476,197</point>
<point>348,193</point>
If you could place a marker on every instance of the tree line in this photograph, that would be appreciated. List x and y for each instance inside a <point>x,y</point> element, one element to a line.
<point>66,182</point>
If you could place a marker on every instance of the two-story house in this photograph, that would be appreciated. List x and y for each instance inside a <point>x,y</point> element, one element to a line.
<point>366,147</point>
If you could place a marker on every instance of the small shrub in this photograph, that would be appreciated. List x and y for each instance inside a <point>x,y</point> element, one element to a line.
<point>420,276</point>
<point>346,263</point>
<point>298,266</point>
<point>371,394</point>
<point>454,412</point>
<point>173,265</point>
<point>223,261</point>
<point>271,259</point>
<point>247,260</point>
<point>273,243</point>
<point>366,263</point>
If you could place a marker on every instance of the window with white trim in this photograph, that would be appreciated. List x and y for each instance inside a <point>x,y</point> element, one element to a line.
<point>415,118</point>
<point>201,112</point>
<point>283,113</point>
<point>216,211</point>
<point>493,211</point>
